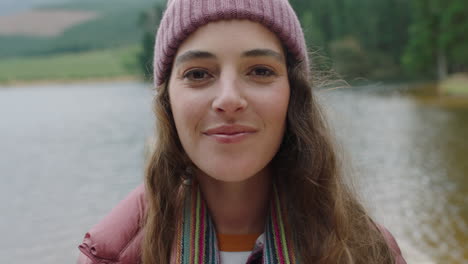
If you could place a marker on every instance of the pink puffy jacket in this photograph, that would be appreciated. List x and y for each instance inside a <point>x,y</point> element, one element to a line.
<point>117,238</point>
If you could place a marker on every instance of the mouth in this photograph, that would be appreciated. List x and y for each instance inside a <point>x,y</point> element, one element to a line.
<point>230,133</point>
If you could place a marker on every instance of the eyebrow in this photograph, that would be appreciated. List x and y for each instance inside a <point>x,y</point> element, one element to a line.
<point>193,54</point>
<point>264,53</point>
<point>199,54</point>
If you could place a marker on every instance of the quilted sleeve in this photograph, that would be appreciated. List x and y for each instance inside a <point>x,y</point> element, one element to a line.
<point>116,238</point>
<point>393,245</point>
<point>83,259</point>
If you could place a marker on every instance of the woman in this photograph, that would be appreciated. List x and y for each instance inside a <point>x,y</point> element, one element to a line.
<point>243,170</point>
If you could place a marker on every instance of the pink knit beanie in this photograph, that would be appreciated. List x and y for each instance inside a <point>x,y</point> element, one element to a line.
<point>183,17</point>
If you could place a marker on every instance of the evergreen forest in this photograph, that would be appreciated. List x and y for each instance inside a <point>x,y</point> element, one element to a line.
<point>392,40</point>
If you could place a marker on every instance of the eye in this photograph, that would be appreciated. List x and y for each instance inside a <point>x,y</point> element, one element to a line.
<point>196,75</point>
<point>262,72</point>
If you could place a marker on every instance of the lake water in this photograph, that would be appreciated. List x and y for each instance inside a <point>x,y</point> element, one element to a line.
<point>69,153</point>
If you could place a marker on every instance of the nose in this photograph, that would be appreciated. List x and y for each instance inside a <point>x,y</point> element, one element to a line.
<point>229,98</point>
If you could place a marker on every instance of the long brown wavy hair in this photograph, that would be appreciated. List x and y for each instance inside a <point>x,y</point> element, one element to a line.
<point>330,225</point>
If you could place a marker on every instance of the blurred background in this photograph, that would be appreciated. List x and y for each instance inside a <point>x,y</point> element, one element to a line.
<point>75,115</point>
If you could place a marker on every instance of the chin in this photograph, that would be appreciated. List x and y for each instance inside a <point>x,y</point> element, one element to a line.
<point>231,178</point>
<point>230,174</point>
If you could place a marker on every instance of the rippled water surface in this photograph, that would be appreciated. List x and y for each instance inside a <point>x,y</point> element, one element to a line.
<point>411,161</point>
<point>69,153</point>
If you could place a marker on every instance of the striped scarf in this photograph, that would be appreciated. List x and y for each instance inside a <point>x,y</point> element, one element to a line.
<point>196,236</point>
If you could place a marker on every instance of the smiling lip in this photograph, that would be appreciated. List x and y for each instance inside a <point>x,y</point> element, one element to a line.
<point>229,133</point>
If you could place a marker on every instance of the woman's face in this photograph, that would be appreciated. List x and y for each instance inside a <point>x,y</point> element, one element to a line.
<point>229,95</point>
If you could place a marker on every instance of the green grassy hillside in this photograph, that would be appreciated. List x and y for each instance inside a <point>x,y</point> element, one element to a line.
<point>116,26</point>
<point>109,63</point>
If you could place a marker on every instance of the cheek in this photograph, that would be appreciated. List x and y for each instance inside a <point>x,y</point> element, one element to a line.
<point>187,111</point>
<point>274,106</point>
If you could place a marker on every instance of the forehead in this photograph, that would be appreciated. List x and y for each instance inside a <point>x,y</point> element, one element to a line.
<point>231,37</point>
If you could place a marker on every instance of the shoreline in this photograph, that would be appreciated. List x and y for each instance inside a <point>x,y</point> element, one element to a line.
<point>455,85</point>
<point>452,93</point>
<point>446,101</point>
<point>28,83</point>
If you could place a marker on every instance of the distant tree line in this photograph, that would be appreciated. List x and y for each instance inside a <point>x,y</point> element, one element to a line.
<point>372,39</point>
<point>149,21</point>
<point>438,37</point>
